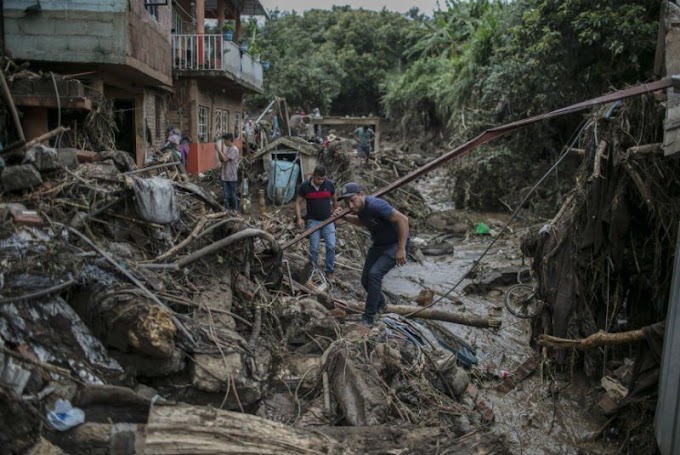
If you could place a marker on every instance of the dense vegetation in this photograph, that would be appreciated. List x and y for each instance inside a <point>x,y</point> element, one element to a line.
<point>474,64</point>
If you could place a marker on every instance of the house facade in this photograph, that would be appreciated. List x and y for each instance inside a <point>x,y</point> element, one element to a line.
<point>211,75</point>
<point>151,57</point>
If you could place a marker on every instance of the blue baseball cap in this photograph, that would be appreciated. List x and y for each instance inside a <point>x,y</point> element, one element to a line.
<point>349,190</point>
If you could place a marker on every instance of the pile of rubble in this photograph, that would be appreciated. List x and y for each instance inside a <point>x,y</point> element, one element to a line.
<point>136,314</point>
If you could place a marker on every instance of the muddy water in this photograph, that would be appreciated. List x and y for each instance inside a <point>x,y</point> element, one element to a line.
<point>534,420</point>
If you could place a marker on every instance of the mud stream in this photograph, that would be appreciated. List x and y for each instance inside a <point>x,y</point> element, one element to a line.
<point>549,412</point>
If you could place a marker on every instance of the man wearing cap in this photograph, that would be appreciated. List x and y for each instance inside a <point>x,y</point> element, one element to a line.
<point>389,231</point>
<point>319,192</point>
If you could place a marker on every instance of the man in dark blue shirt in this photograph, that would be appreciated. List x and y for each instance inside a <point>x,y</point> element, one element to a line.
<point>389,231</point>
<point>319,192</point>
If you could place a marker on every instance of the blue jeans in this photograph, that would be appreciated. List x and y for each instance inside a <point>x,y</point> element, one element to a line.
<point>328,233</point>
<point>230,195</point>
<point>379,261</point>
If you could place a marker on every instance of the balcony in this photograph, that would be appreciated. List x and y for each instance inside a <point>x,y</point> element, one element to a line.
<point>211,55</point>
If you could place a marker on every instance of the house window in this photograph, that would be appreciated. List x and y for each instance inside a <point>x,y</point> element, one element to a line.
<point>203,123</point>
<point>152,10</point>
<point>218,123</point>
<point>225,121</point>
<point>237,125</point>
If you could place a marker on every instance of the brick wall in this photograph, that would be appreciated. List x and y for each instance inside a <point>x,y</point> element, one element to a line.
<point>156,116</point>
<point>149,37</point>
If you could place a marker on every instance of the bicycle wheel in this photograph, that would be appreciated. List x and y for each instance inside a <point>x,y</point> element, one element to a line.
<point>521,301</point>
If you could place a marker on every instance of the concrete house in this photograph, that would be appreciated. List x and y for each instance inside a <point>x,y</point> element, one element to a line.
<point>210,74</point>
<point>121,48</point>
<point>152,57</point>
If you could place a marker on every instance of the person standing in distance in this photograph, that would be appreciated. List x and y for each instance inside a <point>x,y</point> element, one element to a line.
<point>364,135</point>
<point>319,192</point>
<point>228,155</point>
<point>389,230</point>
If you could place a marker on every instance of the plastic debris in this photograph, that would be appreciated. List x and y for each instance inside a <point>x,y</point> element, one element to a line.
<point>482,229</point>
<point>64,416</point>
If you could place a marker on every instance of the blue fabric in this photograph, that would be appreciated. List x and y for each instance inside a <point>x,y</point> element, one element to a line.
<point>379,261</point>
<point>328,233</point>
<point>376,217</point>
<point>230,190</point>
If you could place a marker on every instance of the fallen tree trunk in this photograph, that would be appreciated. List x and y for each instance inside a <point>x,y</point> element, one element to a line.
<point>124,318</point>
<point>595,340</point>
<point>205,430</point>
<point>404,310</point>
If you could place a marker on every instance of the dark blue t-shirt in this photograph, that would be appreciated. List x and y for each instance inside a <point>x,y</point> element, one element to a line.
<point>376,217</point>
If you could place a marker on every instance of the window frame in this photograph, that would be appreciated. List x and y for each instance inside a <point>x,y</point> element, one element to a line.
<point>203,124</point>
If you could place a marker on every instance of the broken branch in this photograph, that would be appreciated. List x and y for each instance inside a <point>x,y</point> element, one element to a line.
<point>595,340</point>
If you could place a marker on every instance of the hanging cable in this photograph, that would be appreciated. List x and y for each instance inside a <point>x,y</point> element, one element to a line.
<point>577,135</point>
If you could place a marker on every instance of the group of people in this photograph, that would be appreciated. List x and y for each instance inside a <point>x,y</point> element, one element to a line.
<point>389,229</point>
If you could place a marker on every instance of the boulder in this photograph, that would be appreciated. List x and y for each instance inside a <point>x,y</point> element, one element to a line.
<point>43,158</point>
<point>21,177</point>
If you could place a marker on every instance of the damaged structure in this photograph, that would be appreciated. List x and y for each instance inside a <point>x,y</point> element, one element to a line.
<point>149,62</point>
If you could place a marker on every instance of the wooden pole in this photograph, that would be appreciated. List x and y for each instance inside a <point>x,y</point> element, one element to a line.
<point>12,107</point>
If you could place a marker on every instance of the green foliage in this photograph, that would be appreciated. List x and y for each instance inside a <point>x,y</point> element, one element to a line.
<point>336,60</point>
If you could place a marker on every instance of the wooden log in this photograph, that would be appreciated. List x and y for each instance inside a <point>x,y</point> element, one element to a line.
<point>595,340</point>
<point>124,318</point>
<point>205,430</point>
<point>429,313</point>
<point>50,134</point>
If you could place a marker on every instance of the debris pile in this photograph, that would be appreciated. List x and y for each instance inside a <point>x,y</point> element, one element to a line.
<point>604,263</point>
<point>130,301</point>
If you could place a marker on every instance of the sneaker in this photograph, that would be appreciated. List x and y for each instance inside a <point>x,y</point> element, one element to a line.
<point>329,276</point>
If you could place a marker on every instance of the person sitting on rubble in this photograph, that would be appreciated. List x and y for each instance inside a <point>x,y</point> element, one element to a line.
<point>296,123</point>
<point>389,229</point>
<point>228,155</point>
<point>319,192</point>
<point>364,135</point>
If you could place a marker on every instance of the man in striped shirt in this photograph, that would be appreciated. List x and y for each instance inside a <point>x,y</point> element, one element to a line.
<point>319,192</point>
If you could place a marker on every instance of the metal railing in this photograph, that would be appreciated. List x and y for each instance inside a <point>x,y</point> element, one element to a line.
<point>211,52</point>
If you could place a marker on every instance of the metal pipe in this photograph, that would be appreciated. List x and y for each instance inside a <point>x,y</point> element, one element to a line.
<point>488,136</point>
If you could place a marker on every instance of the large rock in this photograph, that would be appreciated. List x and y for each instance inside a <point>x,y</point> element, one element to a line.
<point>21,177</point>
<point>43,158</point>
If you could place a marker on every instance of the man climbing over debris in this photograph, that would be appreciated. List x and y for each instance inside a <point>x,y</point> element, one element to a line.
<point>228,155</point>
<point>364,135</point>
<point>389,230</point>
<point>319,192</point>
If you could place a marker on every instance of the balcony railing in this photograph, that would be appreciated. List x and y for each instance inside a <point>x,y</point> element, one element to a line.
<point>211,52</point>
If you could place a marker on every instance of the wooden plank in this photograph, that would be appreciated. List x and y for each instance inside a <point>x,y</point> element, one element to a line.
<point>343,120</point>
<point>51,102</point>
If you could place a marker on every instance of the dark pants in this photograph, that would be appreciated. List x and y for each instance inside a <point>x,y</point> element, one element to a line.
<point>379,261</point>
<point>230,195</point>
